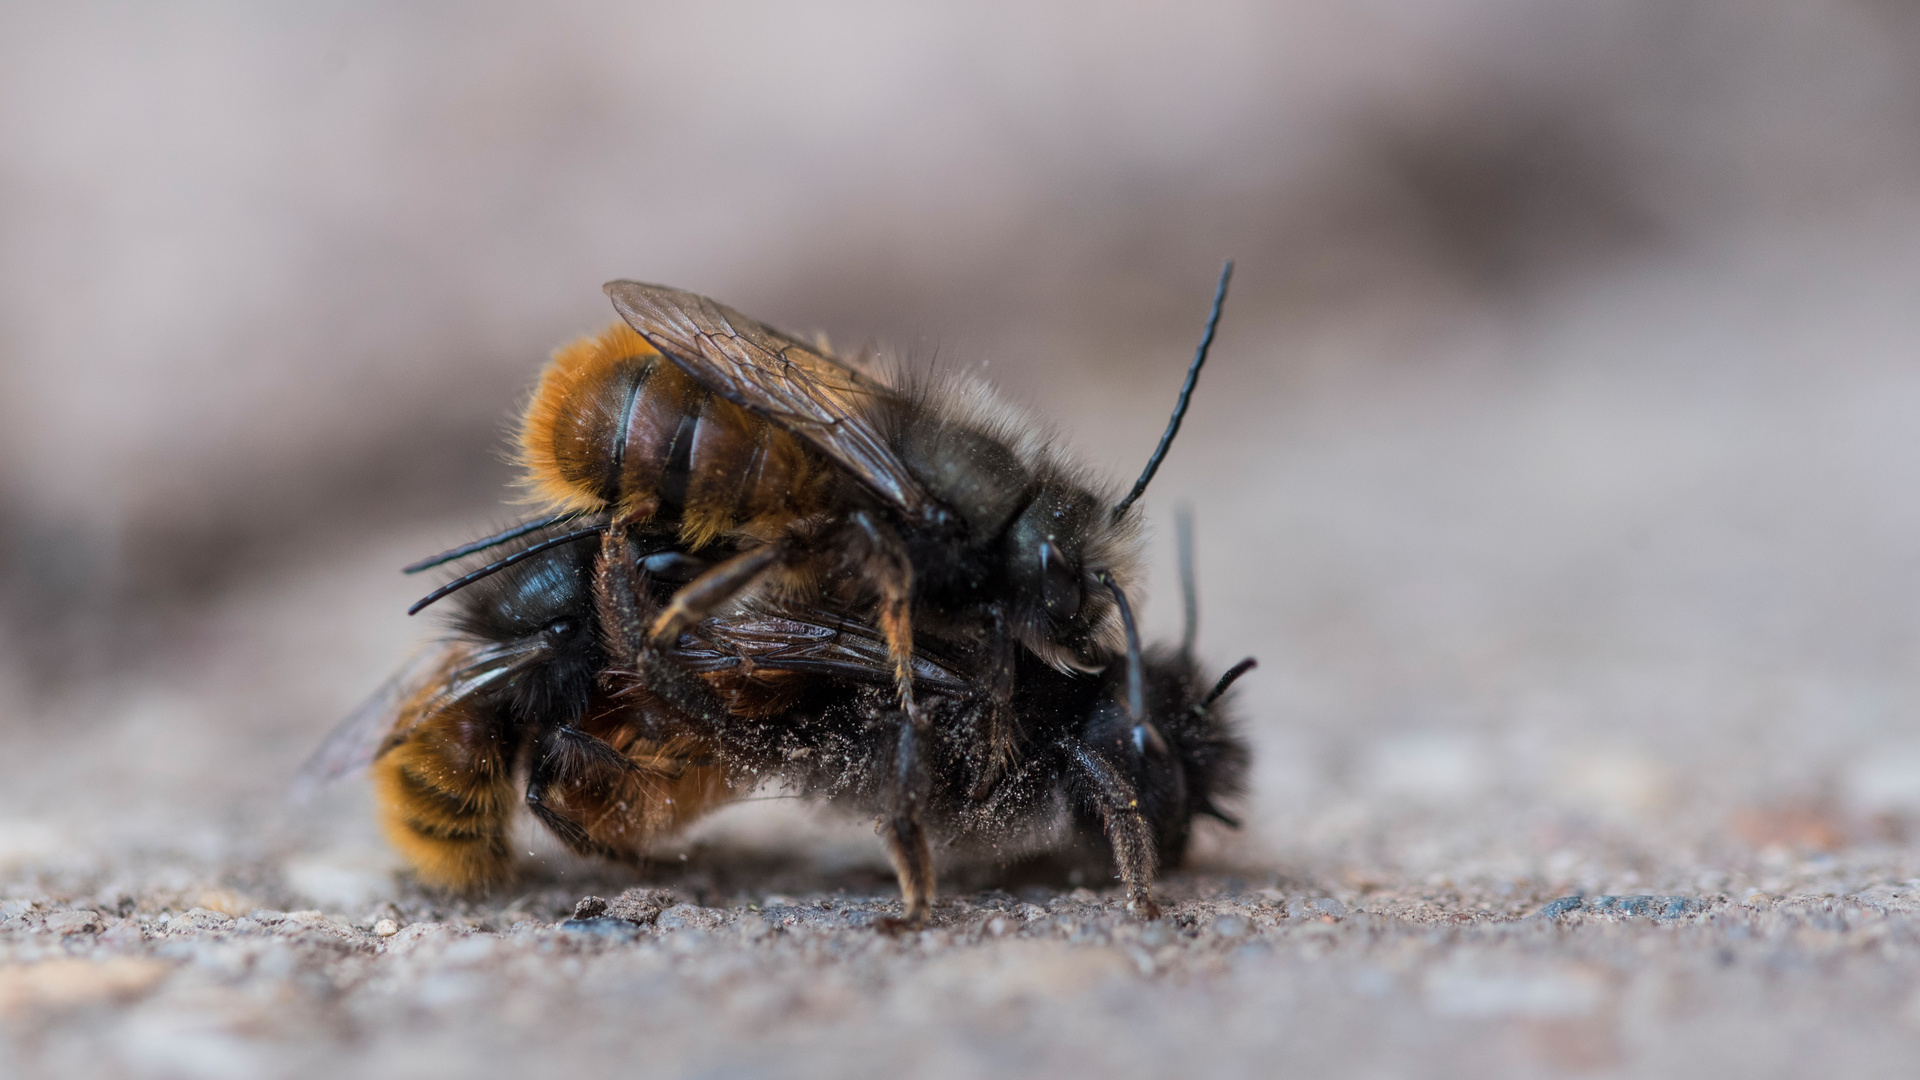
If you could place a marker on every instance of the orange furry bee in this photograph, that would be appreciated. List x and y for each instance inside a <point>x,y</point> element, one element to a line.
<point>525,689</point>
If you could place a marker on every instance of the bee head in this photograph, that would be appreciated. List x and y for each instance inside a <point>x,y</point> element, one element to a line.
<point>1065,549</point>
<point>542,609</point>
<point>1054,553</point>
<point>1181,755</point>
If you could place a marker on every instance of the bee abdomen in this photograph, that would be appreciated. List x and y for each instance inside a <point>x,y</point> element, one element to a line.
<point>445,803</point>
<point>613,425</point>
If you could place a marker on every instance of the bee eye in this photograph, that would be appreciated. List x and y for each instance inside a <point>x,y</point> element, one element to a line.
<point>1059,584</point>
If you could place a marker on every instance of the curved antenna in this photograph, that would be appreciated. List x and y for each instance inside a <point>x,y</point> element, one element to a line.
<point>1186,394</point>
<point>1136,681</point>
<point>493,568</point>
<point>1189,594</point>
<point>502,537</point>
<point>1233,674</point>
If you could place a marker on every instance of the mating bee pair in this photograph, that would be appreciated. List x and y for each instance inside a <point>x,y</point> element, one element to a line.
<point>766,565</point>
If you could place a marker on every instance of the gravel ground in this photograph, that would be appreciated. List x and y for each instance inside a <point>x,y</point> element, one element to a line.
<point>1242,977</point>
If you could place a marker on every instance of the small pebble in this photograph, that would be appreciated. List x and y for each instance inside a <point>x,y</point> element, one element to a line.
<point>1561,906</point>
<point>386,928</point>
<point>75,922</point>
<point>602,926</point>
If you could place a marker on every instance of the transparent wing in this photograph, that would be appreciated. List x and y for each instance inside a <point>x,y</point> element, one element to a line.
<point>774,376</point>
<point>429,681</point>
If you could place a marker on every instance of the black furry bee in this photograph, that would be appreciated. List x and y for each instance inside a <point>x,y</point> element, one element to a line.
<point>1132,751</point>
<point>799,484</point>
<point>614,758</point>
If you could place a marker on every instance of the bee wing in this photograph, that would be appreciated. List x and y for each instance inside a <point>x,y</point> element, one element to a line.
<point>357,741</point>
<point>806,640</point>
<point>774,376</point>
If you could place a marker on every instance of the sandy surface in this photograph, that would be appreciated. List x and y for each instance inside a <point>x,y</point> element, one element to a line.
<point>1243,978</point>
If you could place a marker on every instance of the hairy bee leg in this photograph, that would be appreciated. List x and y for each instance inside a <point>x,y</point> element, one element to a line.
<point>997,713</point>
<point>890,572</point>
<point>565,828</point>
<point>617,581</point>
<point>1127,830</point>
<point>567,758</point>
<point>906,840</point>
<point>622,604</point>
<point>697,598</point>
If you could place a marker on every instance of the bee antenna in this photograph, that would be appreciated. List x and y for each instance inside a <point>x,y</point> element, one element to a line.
<point>1136,685</point>
<point>1186,394</point>
<point>1189,594</point>
<point>498,565</point>
<point>1233,675</point>
<point>502,537</point>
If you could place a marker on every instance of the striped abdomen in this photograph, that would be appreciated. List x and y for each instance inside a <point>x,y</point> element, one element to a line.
<point>613,424</point>
<point>445,790</point>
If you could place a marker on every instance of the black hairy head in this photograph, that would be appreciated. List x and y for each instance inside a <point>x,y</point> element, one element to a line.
<point>543,609</point>
<point>1183,758</point>
<point>1048,554</point>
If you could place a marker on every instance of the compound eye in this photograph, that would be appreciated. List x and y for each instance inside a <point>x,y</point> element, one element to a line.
<point>673,566</point>
<point>1059,585</point>
<point>560,629</point>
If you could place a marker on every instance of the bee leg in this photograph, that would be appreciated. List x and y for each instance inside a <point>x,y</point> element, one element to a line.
<point>1127,831</point>
<point>996,715</point>
<point>699,597</point>
<point>906,840</point>
<point>617,595</point>
<point>621,601</point>
<point>577,766</point>
<point>884,562</point>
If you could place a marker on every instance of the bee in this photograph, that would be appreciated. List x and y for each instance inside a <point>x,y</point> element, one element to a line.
<point>615,758</point>
<point>926,504</point>
<point>517,708</point>
<point>516,691</point>
<point>1131,753</point>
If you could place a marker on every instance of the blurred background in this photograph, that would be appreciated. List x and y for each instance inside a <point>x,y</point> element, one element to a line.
<point>1558,456</point>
